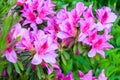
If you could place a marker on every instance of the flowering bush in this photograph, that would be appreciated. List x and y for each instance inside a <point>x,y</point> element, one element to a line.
<point>47,44</point>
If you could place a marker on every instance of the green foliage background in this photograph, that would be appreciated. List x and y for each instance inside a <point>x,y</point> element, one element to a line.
<point>111,63</point>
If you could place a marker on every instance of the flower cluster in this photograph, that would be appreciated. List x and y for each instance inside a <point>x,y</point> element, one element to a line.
<point>89,76</point>
<point>62,28</point>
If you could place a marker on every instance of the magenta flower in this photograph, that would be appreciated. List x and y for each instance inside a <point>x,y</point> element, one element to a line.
<point>25,43</point>
<point>80,8</point>
<point>105,18</point>
<point>91,37</point>
<point>45,49</point>
<point>87,76</point>
<point>29,14</point>
<point>66,30</point>
<point>88,13</point>
<point>99,44</point>
<point>86,27</point>
<point>60,76</point>
<point>10,54</point>
<point>52,26</point>
<point>102,76</point>
<point>68,77</point>
<point>44,10</point>
<point>62,15</point>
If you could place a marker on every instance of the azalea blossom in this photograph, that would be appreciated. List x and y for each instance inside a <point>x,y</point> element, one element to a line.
<point>99,44</point>
<point>88,14</point>
<point>86,27</point>
<point>66,30</point>
<point>68,77</point>
<point>102,76</point>
<point>60,76</point>
<point>105,18</point>
<point>44,9</point>
<point>25,42</point>
<point>10,54</point>
<point>80,8</point>
<point>45,50</point>
<point>29,14</point>
<point>62,15</point>
<point>87,76</point>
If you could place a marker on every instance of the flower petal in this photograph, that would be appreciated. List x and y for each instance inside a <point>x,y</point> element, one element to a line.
<point>36,59</point>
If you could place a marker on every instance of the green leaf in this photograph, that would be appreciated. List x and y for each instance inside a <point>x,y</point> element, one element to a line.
<point>67,68</point>
<point>17,68</point>
<point>20,64</point>
<point>28,69</point>
<point>66,55</point>
<point>9,69</point>
<point>118,41</point>
<point>63,59</point>
<point>39,72</point>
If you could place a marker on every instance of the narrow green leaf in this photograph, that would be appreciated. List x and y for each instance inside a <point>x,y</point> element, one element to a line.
<point>20,64</point>
<point>28,69</point>
<point>39,72</point>
<point>17,68</point>
<point>63,59</point>
<point>9,69</point>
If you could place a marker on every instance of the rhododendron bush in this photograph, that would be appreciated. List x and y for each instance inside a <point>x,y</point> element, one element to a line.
<point>43,43</point>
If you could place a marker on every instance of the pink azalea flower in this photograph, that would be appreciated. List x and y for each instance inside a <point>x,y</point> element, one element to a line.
<point>62,15</point>
<point>66,30</point>
<point>74,17</point>
<point>86,27</point>
<point>91,37</point>
<point>68,77</point>
<point>105,18</point>
<point>88,13</point>
<point>16,30</point>
<point>25,43</point>
<point>45,50</point>
<point>29,14</point>
<point>87,76</point>
<point>99,44</point>
<point>60,75</point>
<point>44,11</point>
<point>80,8</point>
<point>36,3</point>
<point>102,76</point>
<point>10,54</point>
<point>52,26</point>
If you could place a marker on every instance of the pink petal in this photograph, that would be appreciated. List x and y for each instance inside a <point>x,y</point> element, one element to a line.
<point>36,59</point>
<point>38,20</point>
<point>100,27</point>
<point>11,56</point>
<point>82,36</point>
<point>101,52</point>
<point>50,57</point>
<point>102,76</point>
<point>62,35</point>
<point>91,53</point>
